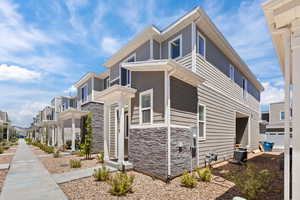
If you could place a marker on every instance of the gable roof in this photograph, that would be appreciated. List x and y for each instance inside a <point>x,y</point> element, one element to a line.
<point>201,19</point>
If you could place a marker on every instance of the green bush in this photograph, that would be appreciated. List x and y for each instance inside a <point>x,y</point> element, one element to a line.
<point>75,163</point>
<point>100,157</point>
<point>56,154</point>
<point>121,184</point>
<point>251,182</point>
<point>28,141</point>
<point>101,174</point>
<point>188,180</point>
<point>1,149</point>
<point>79,153</point>
<point>204,174</point>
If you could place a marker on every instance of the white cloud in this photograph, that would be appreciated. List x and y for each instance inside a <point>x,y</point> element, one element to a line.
<point>110,45</point>
<point>71,90</point>
<point>16,73</point>
<point>271,94</point>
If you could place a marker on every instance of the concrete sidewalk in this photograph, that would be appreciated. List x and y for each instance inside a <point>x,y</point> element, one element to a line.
<point>28,179</point>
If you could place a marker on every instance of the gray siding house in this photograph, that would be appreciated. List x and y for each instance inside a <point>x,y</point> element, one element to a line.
<point>172,96</point>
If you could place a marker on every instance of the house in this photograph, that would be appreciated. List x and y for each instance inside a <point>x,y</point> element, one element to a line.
<point>172,97</point>
<point>4,125</point>
<point>283,19</point>
<point>275,124</point>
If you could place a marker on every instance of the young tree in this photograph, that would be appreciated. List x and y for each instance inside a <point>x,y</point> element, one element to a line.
<point>88,139</point>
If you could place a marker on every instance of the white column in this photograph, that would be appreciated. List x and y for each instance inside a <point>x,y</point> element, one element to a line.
<point>73,133</point>
<point>106,129</point>
<point>287,119</point>
<point>194,46</point>
<point>52,138</point>
<point>121,134</point>
<point>59,136</point>
<point>7,133</point>
<point>296,114</point>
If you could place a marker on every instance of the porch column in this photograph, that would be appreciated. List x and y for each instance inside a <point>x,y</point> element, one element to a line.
<point>121,134</point>
<point>73,133</point>
<point>7,133</point>
<point>48,135</point>
<point>106,129</point>
<point>287,118</point>
<point>296,110</point>
<point>52,138</point>
<point>59,136</point>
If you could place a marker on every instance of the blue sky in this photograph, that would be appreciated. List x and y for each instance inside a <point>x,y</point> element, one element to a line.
<point>46,46</point>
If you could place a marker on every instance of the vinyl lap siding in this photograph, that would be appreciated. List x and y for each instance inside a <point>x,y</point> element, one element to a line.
<point>186,61</point>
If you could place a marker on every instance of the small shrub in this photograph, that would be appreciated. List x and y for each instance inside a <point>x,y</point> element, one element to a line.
<point>251,182</point>
<point>75,163</point>
<point>100,157</point>
<point>101,174</point>
<point>68,144</point>
<point>204,174</point>
<point>79,153</point>
<point>121,184</point>
<point>56,154</point>
<point>188,180</point>
<point>1,150</point>
<point>6,147</point>
<point>28,141</point>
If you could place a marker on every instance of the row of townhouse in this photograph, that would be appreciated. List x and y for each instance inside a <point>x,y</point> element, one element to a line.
<point>5,125</point>
<point>169,98</point>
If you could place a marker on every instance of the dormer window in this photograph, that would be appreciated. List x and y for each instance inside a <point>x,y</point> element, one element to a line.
<point>126,74</point>
<point>175,47</point>
<point>84,93</point>
<point>201,44</point>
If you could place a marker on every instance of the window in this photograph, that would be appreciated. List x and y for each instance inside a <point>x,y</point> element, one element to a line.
<point>175,47</point>
<point>231,72</point>
<point>146,107</point>
<point>84,93</point>
<point>126,74</point>
<point>106,83</point>
<point>282,115</point>
<point>202,122</point>
<point>244,87</point>
<point>201,44</point>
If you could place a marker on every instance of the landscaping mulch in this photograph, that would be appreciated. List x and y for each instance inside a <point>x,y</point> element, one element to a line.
<point>3,174</point>
<point>144,188</point>
<point>4,159</point>
<point>270,161</point>
<point>37,151</point>
<point>61,164</point>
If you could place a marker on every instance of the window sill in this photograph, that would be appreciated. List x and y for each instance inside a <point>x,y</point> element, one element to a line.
<point>202,139</point>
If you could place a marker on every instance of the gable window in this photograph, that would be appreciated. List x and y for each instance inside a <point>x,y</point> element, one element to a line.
<point>84,93</point>
<point>175,47</point>
<point>244,87</point>
<point>146,107</point>
<point>126,74</point>
<point>231,72</point>
<point>201,44</point>
<point>202,122</point>
<point>282,115</point>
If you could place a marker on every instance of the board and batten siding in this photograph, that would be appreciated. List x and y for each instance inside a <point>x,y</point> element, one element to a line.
<point>112,131</point>
<point>142,54</point>
<point>143,81</point>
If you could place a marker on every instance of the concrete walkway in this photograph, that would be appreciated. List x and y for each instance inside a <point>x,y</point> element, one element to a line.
<point>77,174</point>
<point>28,179</point>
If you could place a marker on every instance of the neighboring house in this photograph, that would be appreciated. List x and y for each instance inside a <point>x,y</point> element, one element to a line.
<point>3,118</point>
<point>173,97</point>
<point>275,124</point>
<point>283,19</point>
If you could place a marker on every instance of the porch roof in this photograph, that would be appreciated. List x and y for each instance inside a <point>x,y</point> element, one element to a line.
<point>49,122</point>
<point>72,113</point>
<point>114,93</point>
<point>177,70</point>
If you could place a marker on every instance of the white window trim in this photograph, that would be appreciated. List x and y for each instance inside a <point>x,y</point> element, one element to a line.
<point>231,72</point>
<point>107,82</point>
<point>245,89</point>
<point>204,39</point>
<point>180,49</point>
<point>85,85</point>
<point>150,91</point>
<point>203,121</point>
<point>280,118</point>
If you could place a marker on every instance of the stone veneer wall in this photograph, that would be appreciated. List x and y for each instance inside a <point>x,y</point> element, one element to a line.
<point>181,160</point>
<point>148,151</point>
<point>97,123</point>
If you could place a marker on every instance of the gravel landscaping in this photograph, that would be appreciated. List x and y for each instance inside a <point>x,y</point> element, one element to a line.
<point>61,164</point>
<point>144,188</point>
